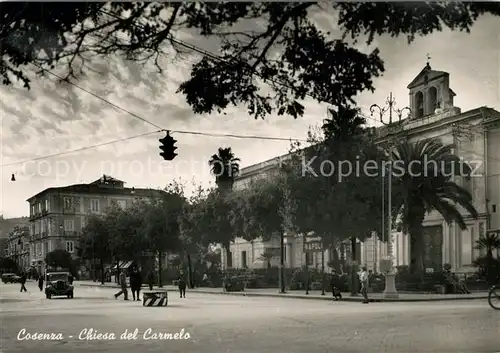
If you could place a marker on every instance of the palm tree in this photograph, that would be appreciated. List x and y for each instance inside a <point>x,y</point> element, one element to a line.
<point>488,243</point>
<point>343,124</point>
<point>225,166</point>
<point>423,182</point>
<point>341,127</point>
<point>267,256</point>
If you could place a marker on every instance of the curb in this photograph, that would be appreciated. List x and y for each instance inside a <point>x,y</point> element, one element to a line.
<point>326,297</point>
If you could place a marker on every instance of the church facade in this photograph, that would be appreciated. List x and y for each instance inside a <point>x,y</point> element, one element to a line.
<point>476,136</point>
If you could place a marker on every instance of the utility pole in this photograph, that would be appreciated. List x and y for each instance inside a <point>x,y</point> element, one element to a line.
<point>390,277</point>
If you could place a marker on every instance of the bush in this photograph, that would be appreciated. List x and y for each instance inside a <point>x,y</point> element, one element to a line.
<point>234,284</point>
<point>488,269</point>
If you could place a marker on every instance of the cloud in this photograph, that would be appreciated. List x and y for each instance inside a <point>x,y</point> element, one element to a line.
<point>55,117</point>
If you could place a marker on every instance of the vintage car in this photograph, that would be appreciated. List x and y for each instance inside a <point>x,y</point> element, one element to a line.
<point>10,278</point>
<point>58,284</point>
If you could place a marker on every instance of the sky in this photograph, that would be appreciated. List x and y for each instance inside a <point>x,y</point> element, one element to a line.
<point>54,117</point>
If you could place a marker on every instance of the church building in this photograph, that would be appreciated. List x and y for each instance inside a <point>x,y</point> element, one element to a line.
<point>476,135</point>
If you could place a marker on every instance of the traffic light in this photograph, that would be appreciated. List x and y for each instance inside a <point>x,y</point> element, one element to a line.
<point>168,147</point>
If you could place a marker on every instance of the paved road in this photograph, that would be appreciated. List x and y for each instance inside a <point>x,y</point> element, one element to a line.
<point>218,323</point>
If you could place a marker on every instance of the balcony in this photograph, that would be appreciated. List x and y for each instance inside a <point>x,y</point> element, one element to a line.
<point>70,233</point>
<point>69,210</point>
<point>45,212</point>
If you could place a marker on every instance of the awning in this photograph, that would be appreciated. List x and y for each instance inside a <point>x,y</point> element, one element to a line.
<point>124,265</point>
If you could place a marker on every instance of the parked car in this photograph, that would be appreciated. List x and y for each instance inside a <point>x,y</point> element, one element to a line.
<point>58,284</point>
<point>10,278</point>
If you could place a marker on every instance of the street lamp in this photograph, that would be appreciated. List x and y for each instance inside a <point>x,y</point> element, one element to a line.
<point>390,276</point>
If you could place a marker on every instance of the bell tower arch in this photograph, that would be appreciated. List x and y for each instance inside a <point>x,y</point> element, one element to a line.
<point>430,93</point>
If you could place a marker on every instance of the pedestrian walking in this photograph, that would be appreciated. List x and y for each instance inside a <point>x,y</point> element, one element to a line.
<point>182,284</point>
<point>123,284</point>
<point>135,283</point>
<point>40,282</point>
<point>363,278</point>
<point>151,280</point>
<point>71,279</point>
<point>23,282</point>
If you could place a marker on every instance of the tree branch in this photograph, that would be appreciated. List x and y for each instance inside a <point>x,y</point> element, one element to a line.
<point>277,31</point>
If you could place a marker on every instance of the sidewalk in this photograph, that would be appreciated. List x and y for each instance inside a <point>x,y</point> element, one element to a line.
<point>316,295</point>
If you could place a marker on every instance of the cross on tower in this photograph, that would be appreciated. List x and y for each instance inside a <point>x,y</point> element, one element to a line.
<point>428,59</point>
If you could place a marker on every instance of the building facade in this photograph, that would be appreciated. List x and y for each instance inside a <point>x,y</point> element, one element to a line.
<point>57,215</point>
<point>476,136</point>
<point>18,247</point>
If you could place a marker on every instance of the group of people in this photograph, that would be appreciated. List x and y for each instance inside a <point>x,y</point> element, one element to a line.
<point>363,278</point>
<point>135,284</point>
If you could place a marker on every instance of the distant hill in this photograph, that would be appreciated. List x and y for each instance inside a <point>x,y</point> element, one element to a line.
<point>8,224</point>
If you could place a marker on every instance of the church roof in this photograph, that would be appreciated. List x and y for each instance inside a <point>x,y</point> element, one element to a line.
<point>426,71</point>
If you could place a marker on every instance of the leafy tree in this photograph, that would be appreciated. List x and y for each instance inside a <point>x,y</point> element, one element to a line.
<point>423,176</point>
<point>95,243</point>
<point>60,258</point>
<point>289,51</point>
<point>161,223</point>
<point>337,197</point>
<point>125,230</point>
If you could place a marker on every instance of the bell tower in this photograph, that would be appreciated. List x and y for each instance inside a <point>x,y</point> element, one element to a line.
<point>430,93</point>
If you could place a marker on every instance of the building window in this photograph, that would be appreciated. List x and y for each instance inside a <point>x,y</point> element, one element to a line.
<point>433,100</point>
<point>494,208</point>
<point>69,225</point>
<point>309,258</point>
<point>39,207</point>
<point>94,205</point>
<point>32,209</point>
<point>47,205</point>
<point>244,259</point>
<point>68,203</point>
<point>419,105</point>
<point>70,246</point>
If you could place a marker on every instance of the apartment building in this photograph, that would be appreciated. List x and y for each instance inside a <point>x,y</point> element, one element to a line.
<point>476,135</point>
<point>57,215</point>
<point>18,247</point>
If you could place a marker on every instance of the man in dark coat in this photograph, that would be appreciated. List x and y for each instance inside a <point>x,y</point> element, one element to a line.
<point>40,282</point>
<point>182,284</point>
<point>23,282</point>
<point>135,283</point>
<point>151,280</point>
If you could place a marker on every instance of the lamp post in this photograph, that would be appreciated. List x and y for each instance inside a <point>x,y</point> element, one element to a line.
<point>390,276</point>
<point>322,269</point>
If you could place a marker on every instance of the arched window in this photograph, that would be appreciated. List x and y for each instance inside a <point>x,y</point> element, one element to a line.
<point>419,105</point>
<point>433,101</point>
